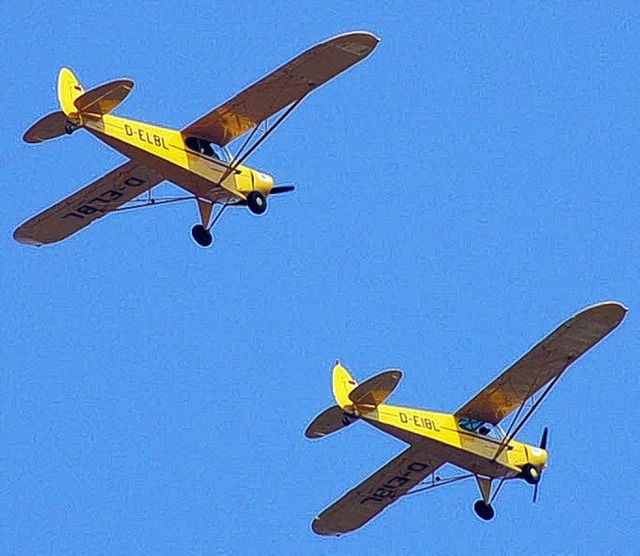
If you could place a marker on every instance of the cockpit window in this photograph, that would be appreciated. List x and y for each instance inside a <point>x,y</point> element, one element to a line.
<point>471,425</point>
<point>199,145</point>
<point>207,148</point>
<point>481,427</point>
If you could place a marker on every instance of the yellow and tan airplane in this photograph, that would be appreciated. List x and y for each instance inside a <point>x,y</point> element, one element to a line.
<point>195,158</point>
<point>470,439</point>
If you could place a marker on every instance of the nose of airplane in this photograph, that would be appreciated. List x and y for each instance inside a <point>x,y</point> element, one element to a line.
<point>264,182</point>
<point>538,457</point>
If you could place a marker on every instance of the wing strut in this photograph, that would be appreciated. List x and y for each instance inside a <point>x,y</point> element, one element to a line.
<point>217,216</point>
<point>436,482</point>
<point>508,438</point>
<point>151,202</point>
<point>241,157</point>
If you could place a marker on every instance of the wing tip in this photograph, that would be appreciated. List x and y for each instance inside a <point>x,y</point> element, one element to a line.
<point>318,529</point>
<point>360,33</point>
<point>612,312</point>
<point>313,434</point>
<point>359,43</point>
<point>22,236</point>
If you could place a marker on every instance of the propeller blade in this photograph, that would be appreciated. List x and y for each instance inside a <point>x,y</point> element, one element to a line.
<point>281,189</point>
<point>543,442</point>
<point>543,445</point>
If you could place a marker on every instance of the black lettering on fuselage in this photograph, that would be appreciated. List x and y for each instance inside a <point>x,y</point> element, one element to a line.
<point>418,421</point>
<point>145,137</point>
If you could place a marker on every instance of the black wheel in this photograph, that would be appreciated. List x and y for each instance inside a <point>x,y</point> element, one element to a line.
<point>347,419</point>
<point>69,128</point>
<point>483,510</point>
<point>202,236</point>
<point>256,202</point>
<point>531,474</point>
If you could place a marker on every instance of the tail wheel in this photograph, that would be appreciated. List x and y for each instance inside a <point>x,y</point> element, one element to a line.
<point>347,419</point>
<point>483,510</point>
<point>531,474</point>
<point>256,202</point>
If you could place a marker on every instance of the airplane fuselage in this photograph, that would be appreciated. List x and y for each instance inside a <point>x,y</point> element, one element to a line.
<point>465,449</point>
<point>165,150</point>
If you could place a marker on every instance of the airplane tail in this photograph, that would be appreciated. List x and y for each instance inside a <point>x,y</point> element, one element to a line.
<point>343,384</point>
<point>352,400</point>
<point>69,89</point>
<point>337,416</point>
<point>77,106</point>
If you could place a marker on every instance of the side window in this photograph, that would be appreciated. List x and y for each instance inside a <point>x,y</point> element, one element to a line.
<point>200,146</point>
<point>475,425</point>
<point>469,424</point>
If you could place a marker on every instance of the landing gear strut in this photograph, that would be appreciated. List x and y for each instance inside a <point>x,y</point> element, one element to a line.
<point>483,510</point>
<point>202,236</point>
<point>256,202</point>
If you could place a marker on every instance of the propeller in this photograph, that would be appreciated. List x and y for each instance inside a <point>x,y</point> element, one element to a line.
<point>281,189</point>
<point>543,445</point>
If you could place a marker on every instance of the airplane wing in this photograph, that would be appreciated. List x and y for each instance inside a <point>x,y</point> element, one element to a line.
<point>92,202</point>
<point>374,494</point>
<point>545,362</point>
<point>287,84</point>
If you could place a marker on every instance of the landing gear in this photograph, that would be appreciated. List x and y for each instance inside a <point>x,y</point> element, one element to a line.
<point>483,510</point>
<point>202,236</point>
<point>70,127</point>
<point>256,202</point>
<point>531,474</point>
<point>348,418</point>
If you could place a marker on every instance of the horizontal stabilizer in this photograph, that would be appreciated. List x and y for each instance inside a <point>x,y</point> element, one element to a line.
<point>377,389</point>
<point>49,127</point>
<point>330,420</point>
<point>103,99</point>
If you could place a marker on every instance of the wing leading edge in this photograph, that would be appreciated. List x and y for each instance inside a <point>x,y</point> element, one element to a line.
<point>374,494</point>
<point>289,83</point>
<point>545,362</point>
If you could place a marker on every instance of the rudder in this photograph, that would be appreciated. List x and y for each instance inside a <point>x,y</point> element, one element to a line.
<point>343,384</point>
<point>69,89</point>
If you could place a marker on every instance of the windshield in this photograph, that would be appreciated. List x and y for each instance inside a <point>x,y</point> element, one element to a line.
<point>481,427</point>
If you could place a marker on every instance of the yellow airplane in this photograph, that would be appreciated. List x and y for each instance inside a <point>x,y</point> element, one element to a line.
<point>470,438</point>
<point>195,158</point>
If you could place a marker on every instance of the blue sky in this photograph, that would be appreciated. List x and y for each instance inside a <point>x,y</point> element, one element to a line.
<point>460,193</point>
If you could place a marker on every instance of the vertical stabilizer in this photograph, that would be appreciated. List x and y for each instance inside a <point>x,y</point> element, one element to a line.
<point>69,89</point>
<point>343,384</point>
